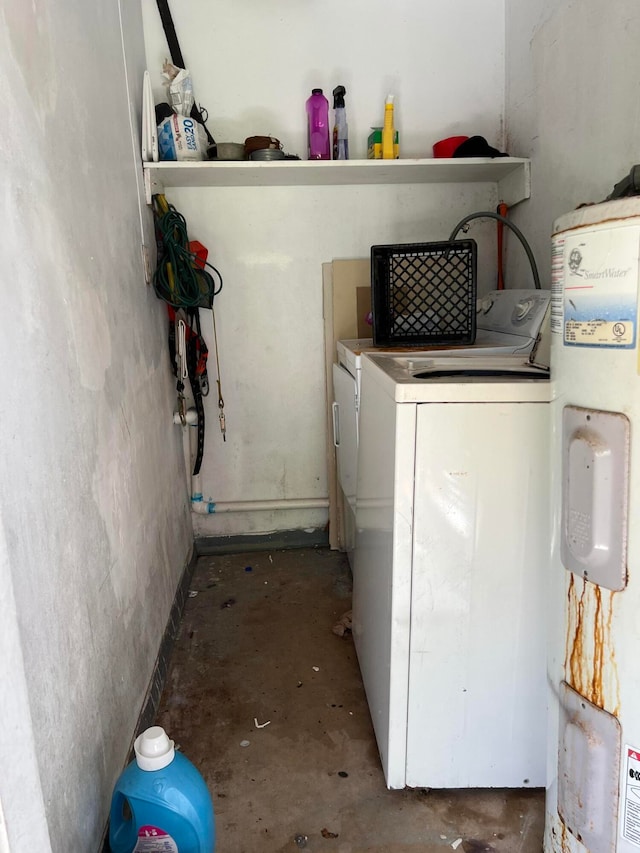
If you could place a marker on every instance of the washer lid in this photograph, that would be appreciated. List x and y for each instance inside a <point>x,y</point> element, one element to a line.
<point>425,379</point>
<point>460,369</point>
<point>481,371</point>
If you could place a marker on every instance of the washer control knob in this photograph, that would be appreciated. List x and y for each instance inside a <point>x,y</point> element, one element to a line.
<point>523,308</point>
<point>485,304</point>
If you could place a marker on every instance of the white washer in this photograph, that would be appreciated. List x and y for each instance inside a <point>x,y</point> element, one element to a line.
<point>508,322</point>
<point>448,604</point>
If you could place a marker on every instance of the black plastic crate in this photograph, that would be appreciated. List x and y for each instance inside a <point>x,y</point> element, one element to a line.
<point>424,293</point>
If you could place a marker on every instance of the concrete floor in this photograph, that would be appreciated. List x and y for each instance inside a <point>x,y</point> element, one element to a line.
<point>256,646</point>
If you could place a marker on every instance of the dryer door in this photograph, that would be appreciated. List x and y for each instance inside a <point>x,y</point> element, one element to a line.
<point>345,430</point>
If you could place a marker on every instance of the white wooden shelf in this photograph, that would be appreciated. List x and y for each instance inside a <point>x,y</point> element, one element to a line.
<point>511,174</point>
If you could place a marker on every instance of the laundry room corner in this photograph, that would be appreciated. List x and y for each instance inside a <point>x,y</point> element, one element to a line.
<point>319,425</point>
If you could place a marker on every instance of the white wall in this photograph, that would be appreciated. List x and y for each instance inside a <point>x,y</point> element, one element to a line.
<point>573,105</point>
<point>95,530</point>
<point>23,822</point>
<point>270,245</point>
<point>253,66</point>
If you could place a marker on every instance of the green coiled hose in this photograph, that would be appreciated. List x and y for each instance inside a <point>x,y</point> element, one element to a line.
<point>178,280</point>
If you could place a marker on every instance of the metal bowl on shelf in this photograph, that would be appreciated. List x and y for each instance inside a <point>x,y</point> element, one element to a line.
<point>230,151</point>
<point>268,154</point>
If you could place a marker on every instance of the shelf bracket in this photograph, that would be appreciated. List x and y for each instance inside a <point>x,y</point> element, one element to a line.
<point>516,186</point>
<point>152,185</point>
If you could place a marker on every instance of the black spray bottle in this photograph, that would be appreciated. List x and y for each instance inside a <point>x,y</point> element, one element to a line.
<point>340,129</point>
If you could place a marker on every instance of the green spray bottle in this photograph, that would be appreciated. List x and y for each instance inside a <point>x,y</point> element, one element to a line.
<point>340,129</point>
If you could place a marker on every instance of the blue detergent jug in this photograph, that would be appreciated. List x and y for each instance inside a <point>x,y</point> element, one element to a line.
<point>161,803</point>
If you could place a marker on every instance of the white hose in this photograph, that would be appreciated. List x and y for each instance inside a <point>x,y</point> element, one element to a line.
<point>203,507</point>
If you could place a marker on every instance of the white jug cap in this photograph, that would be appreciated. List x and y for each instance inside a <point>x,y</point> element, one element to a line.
<point>153,749</point>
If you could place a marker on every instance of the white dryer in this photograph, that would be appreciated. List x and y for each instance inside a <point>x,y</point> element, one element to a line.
<point>448,596</point>
<point>508,322</point>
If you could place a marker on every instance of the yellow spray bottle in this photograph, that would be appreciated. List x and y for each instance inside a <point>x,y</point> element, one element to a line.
<point>389,148</point>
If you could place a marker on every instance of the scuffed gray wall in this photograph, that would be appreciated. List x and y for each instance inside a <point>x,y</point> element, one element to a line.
<point>96,529</point>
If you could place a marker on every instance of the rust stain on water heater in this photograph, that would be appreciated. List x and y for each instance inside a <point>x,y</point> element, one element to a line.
<point>590,664</point>
<point>564,841</point>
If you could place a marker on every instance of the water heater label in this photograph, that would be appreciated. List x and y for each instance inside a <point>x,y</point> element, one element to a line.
<point>600,287</point>
<point>557,270</point>
<point>598,333</point>
<point>151,839</point>
<point>631,803</point>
